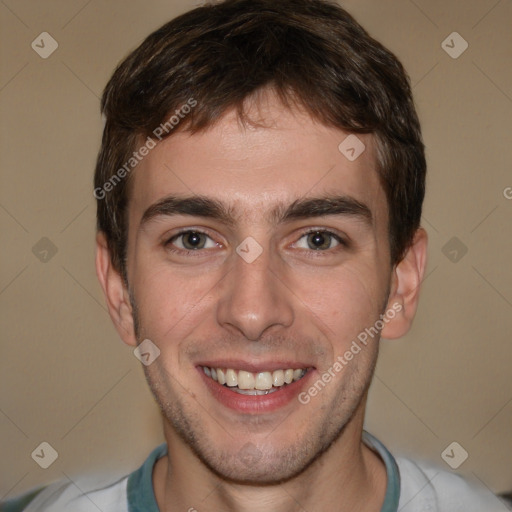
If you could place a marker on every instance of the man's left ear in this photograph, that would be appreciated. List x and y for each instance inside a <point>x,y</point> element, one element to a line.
<point>405,288</point>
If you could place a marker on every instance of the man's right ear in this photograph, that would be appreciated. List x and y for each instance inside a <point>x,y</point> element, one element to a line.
<point>116,293</point>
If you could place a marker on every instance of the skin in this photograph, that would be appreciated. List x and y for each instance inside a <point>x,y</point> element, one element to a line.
<point>292,303</point>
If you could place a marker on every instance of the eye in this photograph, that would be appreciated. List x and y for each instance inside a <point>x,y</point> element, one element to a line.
<point>191,241</point>
<point>319,241</point>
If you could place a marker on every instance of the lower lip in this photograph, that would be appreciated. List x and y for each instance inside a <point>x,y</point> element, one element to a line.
<point>255,403</point>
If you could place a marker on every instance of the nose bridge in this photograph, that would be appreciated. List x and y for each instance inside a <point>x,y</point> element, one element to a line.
<point>252,299</point>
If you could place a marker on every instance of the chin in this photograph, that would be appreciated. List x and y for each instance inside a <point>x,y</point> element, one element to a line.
<point>262,471</point>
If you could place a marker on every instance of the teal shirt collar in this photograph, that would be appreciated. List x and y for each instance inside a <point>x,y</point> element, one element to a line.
<point>141,497</point>
<point>393,486</point>
<point>139,488</point>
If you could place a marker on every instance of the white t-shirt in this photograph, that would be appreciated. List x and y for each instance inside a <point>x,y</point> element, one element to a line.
<point>411,487</point>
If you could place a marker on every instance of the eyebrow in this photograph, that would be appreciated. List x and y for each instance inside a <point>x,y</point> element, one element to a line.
<point>303,208</point>
<point>324,206</point>
<point>195,206</point>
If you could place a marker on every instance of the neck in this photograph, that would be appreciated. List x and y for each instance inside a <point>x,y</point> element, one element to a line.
<point>347,477</point>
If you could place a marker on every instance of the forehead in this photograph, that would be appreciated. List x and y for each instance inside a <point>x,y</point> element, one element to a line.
<point>256,168</point>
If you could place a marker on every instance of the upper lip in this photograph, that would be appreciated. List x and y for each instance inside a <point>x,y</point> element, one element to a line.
<point>255,367</point>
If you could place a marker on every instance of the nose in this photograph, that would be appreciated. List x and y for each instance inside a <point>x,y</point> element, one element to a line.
<point>254,299</point>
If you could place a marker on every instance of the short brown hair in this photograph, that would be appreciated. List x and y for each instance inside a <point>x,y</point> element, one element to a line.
<point>312,53</point>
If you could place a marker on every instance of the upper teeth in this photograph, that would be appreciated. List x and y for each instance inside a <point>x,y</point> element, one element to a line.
<point>249,380</point>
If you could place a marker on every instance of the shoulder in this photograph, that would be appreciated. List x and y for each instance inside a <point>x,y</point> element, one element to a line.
<point>425,487</point>
<point>86,494</point>
<point>90,493</point>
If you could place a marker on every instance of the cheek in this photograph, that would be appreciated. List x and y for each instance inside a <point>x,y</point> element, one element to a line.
<point>170,304</point>
<point>343,301</point>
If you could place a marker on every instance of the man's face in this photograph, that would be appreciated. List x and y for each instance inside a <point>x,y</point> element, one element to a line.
<point>321,278</point>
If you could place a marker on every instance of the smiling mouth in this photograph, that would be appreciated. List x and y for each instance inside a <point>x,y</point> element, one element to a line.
<point>249,383</point>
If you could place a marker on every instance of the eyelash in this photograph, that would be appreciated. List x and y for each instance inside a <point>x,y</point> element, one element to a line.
<point>336,237</point>
<point>169,246</point>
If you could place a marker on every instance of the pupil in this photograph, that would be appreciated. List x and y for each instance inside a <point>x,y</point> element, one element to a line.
<point>319,240</point>
<point>193,240</point>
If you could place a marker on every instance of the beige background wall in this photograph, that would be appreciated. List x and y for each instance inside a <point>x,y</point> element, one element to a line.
<point>68,380</point>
